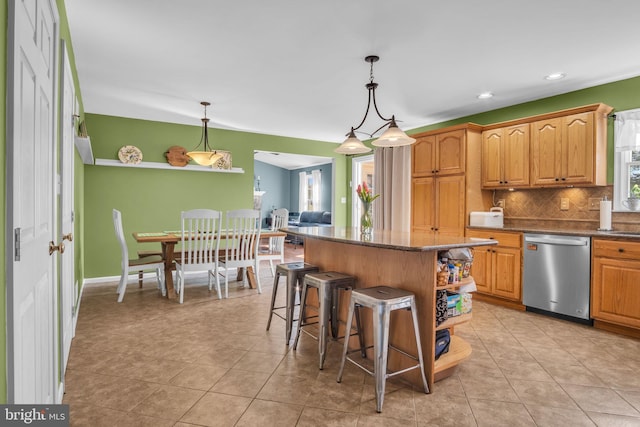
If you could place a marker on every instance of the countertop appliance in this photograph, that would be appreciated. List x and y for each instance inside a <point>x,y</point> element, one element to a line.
<point>556,275</point>
<point>494,218</point>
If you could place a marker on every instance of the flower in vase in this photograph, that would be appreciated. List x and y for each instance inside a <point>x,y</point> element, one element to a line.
<point>366,197</point>
<point>364,193</point>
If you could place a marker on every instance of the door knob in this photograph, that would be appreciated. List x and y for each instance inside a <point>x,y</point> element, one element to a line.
<point>68,236</point>
<point>53,247</point>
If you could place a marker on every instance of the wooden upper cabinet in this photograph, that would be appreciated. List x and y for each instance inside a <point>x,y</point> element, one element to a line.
<point>571,149</point>
<point>546,152</point>
<point>562,148</point>
<point>439,154</point>
<point>423,156</point>
<point>505,154</point>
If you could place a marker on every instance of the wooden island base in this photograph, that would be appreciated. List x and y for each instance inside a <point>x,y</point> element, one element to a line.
<point>408,263</point>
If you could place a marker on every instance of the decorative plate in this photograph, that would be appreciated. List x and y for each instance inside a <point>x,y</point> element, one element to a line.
<point>224,162</point>
<point>130,155</point>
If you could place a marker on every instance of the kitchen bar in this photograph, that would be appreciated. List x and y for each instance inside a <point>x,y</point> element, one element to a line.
<point>403,260</point>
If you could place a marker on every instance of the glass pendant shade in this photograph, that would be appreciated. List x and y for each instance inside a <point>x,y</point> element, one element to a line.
<point>393,137</point>
<point>204,158</point>
<point>352,145</point>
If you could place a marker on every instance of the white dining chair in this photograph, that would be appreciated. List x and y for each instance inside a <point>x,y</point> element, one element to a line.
<point>275,249</point>
<point>128,266</point>
<point>241,244</point>
<point>200,245</point>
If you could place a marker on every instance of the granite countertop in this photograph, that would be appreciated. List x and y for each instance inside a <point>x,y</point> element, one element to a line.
<point>388,239</point>
<point>633,235</point>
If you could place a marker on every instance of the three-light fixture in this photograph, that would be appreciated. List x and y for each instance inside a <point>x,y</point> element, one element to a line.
<point>392,137</point>
<point>208,156</point>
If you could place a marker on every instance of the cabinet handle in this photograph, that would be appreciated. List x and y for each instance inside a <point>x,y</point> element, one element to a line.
<point>620,250</point>
<point>557,179</point>
<point>564,179</point>
<point>506,182</point>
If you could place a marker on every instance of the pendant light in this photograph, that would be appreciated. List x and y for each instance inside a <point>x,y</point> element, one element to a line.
<point>208,156</point>
<point>392,137</point>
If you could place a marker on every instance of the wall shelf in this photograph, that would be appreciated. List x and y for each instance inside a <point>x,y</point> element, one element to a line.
<point>83,145</point>
<point>156,165</point>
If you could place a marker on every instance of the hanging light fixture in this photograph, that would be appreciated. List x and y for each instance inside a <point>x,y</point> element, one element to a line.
<point>392,137</point>
<point>208,156</point>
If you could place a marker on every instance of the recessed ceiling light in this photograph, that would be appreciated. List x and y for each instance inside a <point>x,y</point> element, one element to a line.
<point>485,95</point>
<point>555,76</point>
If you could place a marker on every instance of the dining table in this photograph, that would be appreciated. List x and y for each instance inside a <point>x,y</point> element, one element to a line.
<point>168,241</point>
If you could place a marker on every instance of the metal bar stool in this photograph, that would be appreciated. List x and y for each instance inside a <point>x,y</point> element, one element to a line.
<point>327,284</point>
<point>383,300</point>
<point>294,273</point>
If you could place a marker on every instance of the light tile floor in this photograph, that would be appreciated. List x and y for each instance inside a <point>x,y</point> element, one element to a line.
<point>209,362</point>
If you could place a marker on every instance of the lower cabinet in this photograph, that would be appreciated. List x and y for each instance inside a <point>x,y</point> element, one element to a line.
<point>615,282</point>
<point>497,270</point>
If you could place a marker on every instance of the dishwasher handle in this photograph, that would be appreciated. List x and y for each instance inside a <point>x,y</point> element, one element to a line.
<point>549,240</point>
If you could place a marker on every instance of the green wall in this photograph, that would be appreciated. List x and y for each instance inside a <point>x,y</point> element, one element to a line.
<point>152,199</point>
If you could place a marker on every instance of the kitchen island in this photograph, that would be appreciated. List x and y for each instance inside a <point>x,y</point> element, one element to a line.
<point>403,260</point>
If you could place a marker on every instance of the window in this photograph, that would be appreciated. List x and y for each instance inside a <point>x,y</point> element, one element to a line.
<point>627,157</point>
<point>310,191</point>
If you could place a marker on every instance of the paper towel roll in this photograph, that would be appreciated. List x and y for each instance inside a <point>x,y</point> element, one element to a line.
<point>605,215</point>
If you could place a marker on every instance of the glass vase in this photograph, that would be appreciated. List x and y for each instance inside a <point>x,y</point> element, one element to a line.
<point>366,219</point>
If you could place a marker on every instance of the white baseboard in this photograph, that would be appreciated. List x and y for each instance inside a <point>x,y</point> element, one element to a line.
<point>116,279</point>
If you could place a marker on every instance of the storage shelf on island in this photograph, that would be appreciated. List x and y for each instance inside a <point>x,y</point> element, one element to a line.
<point>453,321</point>
<point>156,165</point>
<point>464,281</point>
<point>459,350</point>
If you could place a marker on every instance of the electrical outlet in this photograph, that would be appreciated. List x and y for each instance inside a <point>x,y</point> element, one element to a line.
<point>594,203</point>
<point>564,204</point>
<point>501,203</point>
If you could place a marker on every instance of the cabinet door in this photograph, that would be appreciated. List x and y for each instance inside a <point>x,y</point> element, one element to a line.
<point>422,209</point>
<point>577,148</point>
<point>546,150</point>
<point>481,269</point>
<point>450,153</point>
<point>423,156</point>
<point>506,273</point>
<point>515,155</point>
<point>449,205</point>
<point>492,162</point>
<point>615,291</point>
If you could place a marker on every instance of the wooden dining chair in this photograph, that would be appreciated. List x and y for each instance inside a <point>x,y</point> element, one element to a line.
<point>275,249</point>
<point>200,245</point>
<point>151,262</point>
<point>241,244</point>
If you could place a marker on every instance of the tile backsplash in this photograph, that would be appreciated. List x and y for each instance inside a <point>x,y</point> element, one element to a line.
<point>543,207</point>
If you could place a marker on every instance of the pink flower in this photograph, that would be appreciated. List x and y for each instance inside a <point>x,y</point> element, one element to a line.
<point>364,193</point>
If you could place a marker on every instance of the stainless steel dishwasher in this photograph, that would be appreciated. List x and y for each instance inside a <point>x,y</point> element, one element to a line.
<point>556,275</point>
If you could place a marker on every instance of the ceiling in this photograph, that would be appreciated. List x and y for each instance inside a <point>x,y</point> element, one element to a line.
<point>296,68</point>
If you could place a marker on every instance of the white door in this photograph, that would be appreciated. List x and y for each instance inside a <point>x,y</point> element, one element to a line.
<point>361,171</point>
<point>67,152</point>
<point>31,275</point>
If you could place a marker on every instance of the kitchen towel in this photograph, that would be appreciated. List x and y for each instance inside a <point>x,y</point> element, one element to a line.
<point>605,215</point>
